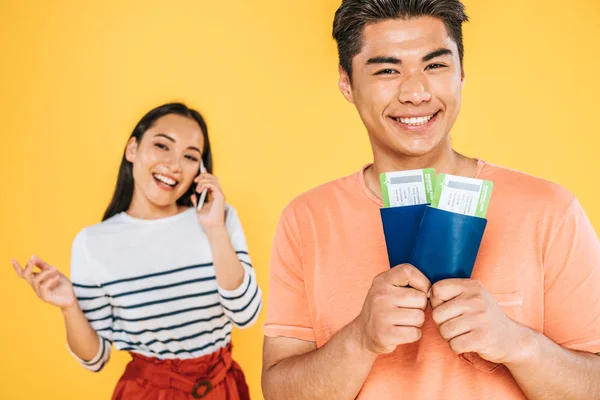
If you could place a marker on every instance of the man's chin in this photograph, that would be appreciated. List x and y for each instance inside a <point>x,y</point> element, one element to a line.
<point>417,150</point>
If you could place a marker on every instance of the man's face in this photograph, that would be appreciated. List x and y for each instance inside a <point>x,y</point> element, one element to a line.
<point>406,85</point>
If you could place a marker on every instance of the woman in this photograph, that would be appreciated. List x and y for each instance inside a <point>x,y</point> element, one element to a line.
<point>159,277</point>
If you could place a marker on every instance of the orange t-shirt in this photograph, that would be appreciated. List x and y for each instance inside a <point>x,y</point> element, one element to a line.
<point>539,258</point>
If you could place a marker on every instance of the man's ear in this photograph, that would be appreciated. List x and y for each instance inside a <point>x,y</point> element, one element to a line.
<point>345,85</point>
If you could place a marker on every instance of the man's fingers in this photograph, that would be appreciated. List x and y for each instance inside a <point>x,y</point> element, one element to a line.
<point>405,334</point>
<point>446,290</point>
<point>450,309</point>
<point>408,275</point>
<point>463,343</point>
<point>456,327</point>
<point>407,317</point>
<point>407,297</point>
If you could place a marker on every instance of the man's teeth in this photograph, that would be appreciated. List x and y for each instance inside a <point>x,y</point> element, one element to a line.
<point>165,179</point>
<point>415,120</point>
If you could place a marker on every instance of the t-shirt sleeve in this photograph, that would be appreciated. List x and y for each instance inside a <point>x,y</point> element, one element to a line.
<point>288,312</point>
<point>94,303</point>
<point>241,305</point>
<point>572,284</point>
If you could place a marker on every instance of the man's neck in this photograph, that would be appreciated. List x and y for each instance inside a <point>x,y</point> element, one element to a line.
<point>447,162</point>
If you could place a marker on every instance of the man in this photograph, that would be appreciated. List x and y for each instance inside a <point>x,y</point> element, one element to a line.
<point>341,324</point>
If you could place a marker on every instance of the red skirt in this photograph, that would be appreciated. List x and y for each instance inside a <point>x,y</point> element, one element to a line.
<point>212,377</point>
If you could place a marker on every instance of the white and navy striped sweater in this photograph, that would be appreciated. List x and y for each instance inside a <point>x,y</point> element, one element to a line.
<point>149,286</point>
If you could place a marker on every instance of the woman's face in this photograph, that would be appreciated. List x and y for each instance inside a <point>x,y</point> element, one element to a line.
<point>166,160</point>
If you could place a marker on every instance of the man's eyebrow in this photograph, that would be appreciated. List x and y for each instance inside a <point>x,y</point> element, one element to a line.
<point>396,61</point>
<point>436,53</point>
<point>384,60</point>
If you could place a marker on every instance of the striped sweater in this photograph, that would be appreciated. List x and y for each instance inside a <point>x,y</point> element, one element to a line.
<point>149,287</point>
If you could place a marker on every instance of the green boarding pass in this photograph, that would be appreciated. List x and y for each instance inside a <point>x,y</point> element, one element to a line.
<point>462,195</point>
<point>407,188</point>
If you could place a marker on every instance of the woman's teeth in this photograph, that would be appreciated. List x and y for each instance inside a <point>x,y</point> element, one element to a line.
<point>414,121</point>
<point>165,179</point>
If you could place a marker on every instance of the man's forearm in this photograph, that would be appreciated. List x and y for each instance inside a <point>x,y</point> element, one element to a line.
<point>549,371</point>
<point>337,370</point>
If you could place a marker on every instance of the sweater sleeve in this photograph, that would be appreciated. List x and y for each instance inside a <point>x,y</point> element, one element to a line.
<point>94,303</point>
<point>243,304</point>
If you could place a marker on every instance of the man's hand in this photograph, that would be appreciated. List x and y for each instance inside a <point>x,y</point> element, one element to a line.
<point>470,320</point>
<point>393,311</point>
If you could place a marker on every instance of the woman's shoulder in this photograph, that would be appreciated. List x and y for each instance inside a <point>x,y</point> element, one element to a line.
<point>111,226</point>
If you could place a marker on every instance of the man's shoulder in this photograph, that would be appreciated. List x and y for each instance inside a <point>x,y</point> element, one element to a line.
<point>519,189</point>
<point>326,195</point>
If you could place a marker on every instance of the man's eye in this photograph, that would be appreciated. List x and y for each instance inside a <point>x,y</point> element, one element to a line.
<point>435,66</point>
<point>386,72</point>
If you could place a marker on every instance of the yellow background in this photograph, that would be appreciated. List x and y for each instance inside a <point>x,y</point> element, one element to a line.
<point>77,75</point>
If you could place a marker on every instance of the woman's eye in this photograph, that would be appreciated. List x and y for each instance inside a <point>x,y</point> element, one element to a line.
<point>195,159</point>
<point>161,146</point>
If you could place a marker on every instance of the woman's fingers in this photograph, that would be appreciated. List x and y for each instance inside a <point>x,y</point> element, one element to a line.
<point>214,190</point>
<point>41,264</point>
<point>48,285</point>
<point>40,278</point>
<point>17,267</point>
<point>206,178</point>
<point>28,271</point>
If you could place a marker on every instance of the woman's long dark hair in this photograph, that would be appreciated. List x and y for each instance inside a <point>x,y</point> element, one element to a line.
<point>124,190</point>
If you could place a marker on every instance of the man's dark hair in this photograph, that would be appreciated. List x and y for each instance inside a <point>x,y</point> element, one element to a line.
<point>353,15</point>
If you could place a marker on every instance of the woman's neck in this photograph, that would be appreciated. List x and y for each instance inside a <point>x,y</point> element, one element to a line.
<point>142,208</point>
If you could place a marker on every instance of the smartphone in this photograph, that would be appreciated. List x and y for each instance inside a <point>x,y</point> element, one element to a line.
<point>205,191</point>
